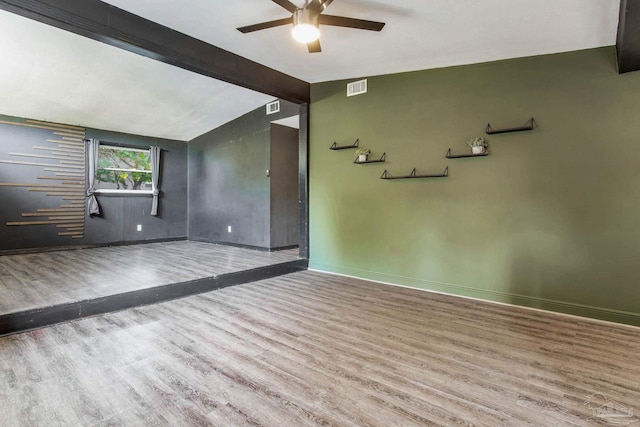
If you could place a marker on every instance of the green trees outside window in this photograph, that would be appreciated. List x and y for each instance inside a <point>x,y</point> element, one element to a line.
<point>123,169</point>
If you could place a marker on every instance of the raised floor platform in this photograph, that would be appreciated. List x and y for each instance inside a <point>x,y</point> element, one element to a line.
<point>41,289</point>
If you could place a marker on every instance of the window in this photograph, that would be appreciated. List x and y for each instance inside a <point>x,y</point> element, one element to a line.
<point>123,170</point>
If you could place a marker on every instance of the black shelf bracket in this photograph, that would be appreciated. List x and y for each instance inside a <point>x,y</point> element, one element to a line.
<point>450,155</point>
<point>414,175</point>
<point>381,160</point>
<point>335,146</point>
<point>527,126</point>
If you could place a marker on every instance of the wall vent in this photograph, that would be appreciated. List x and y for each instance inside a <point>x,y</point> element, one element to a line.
<point>357,88</point>
<point>273,107</point>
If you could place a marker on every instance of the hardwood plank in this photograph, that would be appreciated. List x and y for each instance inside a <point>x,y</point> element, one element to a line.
<point>313,349</point>
<point>78,275</point>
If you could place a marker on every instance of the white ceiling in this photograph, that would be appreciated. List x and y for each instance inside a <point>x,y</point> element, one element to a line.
<point>419,34</point>
<point>49,74</point>
<point>53,75</point>
<point>290,122</point>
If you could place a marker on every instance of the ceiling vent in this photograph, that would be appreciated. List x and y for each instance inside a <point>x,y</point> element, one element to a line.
<point>273,107</point>
<point>357,88</point>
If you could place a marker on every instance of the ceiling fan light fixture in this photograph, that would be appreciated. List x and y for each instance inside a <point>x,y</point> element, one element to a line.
<point>306,22</point>
<point>305,26</point>
<point>305,33</point>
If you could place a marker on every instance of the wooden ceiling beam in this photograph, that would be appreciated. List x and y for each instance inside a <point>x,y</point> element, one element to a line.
<point>628,41</point>
<point>116,27</point>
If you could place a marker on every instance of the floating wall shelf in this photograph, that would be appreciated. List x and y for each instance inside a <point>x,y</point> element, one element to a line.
<point>527,126</point>
<point>345,147</point>
<point>450,155</point>
<point>382,160</point>
<point>413,175</point>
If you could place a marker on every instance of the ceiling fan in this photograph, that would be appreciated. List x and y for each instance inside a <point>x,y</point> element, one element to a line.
<point>306,20</point>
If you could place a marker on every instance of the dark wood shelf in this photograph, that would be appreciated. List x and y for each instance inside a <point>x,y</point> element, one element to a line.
<point>450,155</point>
<point>335,146</point>
<point>527,126</point>
<point>381,160</point>
<point>413,175</point>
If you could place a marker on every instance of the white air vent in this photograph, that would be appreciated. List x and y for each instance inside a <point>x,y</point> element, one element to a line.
<point>357,88</point>
<point>273,107</point>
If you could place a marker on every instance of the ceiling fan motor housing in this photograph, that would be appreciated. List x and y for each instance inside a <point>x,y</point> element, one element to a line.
<point>305,16</point>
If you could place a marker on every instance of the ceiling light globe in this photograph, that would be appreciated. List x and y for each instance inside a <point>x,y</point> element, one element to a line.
<point>305,33</point>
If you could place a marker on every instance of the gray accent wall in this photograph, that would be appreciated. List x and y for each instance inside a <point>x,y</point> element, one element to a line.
<point>218,180</point>
<point>16,200</point>
<point>228,182</point>
<point>120,213</point>
<point>284,186</point>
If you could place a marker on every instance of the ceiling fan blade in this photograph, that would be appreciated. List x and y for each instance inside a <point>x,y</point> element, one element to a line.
<point>341,21</point>
<point>314,47</point>
<point>265,25</point>
<point>286,4</point>
<point>319,6</point>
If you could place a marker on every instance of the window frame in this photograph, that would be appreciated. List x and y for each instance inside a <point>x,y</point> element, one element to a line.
<point>125,191</point>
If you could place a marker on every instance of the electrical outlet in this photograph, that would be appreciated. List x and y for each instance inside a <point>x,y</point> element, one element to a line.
<point>229,229</point>
<point>139,228</point>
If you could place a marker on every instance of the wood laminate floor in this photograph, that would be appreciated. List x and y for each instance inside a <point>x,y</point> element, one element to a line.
<point>313,349</point>
<point>48,278</point>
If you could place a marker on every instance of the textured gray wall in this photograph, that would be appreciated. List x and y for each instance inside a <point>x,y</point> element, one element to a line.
<point>14,201</point>
<point>121,214</point>
<point>284,186</point>
<point>228,184</point>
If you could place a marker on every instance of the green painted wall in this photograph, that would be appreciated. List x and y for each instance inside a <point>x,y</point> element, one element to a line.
<point>550,219</point>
